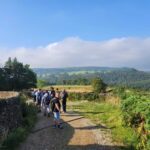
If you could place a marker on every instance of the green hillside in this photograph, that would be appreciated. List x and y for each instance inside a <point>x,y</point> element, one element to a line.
<point>129,77</point>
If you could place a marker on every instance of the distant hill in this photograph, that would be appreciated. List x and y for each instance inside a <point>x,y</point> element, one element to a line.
<point>77,70</point>
<point>83,75</point>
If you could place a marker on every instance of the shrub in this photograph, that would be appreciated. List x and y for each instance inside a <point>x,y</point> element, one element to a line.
<point>14,138</point>
<point>136,114</point>
<point>98,85</point>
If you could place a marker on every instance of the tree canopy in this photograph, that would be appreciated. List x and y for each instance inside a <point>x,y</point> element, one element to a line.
<point>98,85</point>
<point>16,76</point>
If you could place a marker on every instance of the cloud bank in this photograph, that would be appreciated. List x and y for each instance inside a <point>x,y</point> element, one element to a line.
<point>73,51</point>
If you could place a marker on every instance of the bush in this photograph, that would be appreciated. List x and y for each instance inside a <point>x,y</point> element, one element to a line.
<point>14,138</point>
<point>136,114</point>
<point>98,85</point>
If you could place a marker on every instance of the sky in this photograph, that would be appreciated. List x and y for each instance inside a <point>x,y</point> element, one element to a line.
<point>66,33</point>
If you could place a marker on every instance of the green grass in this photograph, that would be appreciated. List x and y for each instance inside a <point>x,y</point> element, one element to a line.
<point>110,116</point>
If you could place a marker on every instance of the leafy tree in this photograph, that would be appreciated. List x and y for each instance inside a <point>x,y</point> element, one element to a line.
<point>98,85</point>
<point>16,76</point>
<point>3,80</point>
<point>8,63</point>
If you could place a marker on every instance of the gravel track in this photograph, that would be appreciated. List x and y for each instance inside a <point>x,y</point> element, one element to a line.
<point>78,133</point>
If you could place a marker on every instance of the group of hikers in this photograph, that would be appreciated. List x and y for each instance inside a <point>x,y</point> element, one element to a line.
<point>50,102</point>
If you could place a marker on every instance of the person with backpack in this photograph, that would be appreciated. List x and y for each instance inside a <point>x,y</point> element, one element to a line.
<point>55,106</point>
<point>45,104</point>
<point>64,96</point>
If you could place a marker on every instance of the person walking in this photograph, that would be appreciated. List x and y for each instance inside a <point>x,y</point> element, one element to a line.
<point>45,104</point>
<point>33,93</point>
<point>39,95</point>
<point>55,104</point>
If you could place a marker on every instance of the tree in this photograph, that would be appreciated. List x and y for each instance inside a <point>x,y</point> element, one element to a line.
<point>3,82</point>
<point>17,76</point>
<point>98,85</point>
<point>8,63</point>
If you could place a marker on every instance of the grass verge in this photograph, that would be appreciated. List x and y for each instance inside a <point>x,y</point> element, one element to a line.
<point>110,116</point>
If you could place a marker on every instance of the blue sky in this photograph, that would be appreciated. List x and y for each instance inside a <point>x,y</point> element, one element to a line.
<point>37,23</point>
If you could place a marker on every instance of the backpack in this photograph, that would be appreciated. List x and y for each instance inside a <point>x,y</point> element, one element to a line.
<point>47,99</point>
<point>39,96</point>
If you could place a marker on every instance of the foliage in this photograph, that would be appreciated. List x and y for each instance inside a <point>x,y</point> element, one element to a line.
<point>29,113</point>
<point>98,85</point>
<point>131,118</point>
<point>41,83</point>
<point>14,138</point>
<point>16,76</point>
<point>135,108</point>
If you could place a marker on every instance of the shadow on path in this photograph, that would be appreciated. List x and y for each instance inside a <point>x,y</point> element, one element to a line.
<point>52,125</point>
<point>74,136</point>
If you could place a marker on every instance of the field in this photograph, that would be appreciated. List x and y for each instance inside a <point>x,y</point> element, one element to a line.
<point>72,88</point>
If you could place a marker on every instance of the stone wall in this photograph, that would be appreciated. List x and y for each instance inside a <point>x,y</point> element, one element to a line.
<point>6,94</point>
<point>10,113</point>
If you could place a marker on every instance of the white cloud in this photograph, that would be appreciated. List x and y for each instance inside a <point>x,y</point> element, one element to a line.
<point>73,51</point>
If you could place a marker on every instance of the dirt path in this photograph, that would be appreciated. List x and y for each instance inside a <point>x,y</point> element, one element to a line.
<point>78,134</point>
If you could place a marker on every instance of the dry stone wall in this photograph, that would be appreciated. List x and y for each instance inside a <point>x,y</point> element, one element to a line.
<point>10,113</point>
